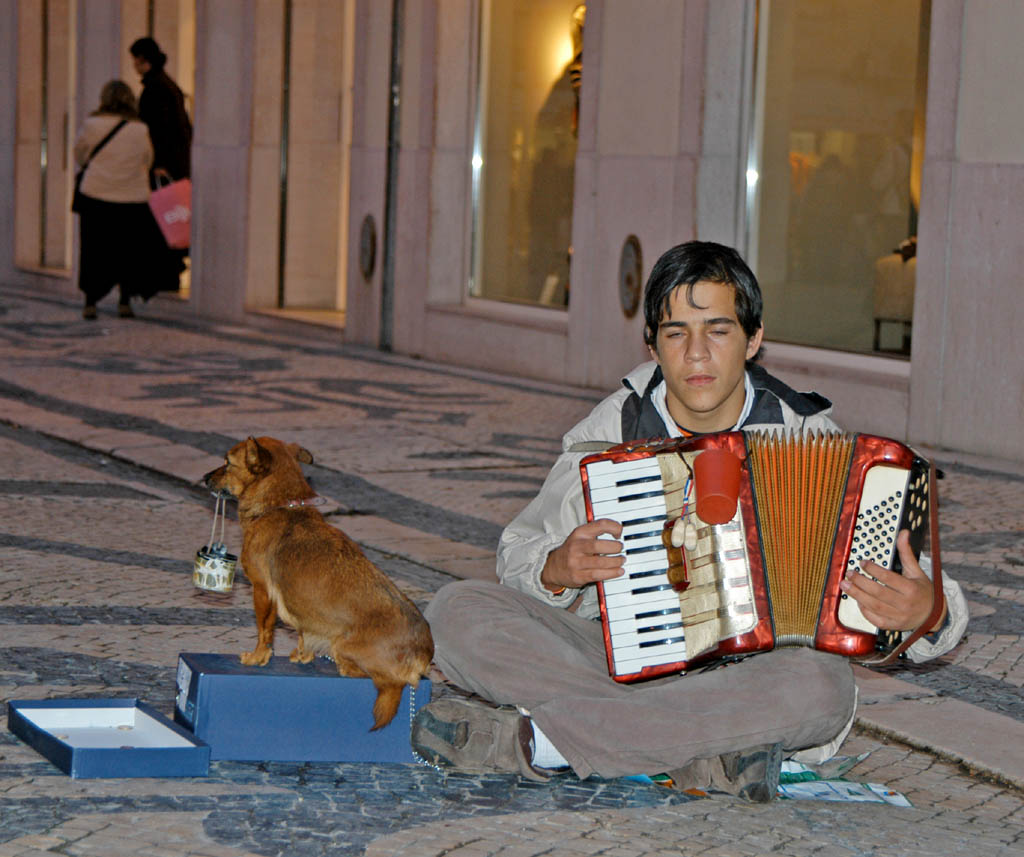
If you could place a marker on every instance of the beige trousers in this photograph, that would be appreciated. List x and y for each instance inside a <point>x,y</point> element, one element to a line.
<point>513,649</point>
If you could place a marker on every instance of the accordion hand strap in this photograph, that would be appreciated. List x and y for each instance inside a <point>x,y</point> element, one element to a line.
<point>939,599</point>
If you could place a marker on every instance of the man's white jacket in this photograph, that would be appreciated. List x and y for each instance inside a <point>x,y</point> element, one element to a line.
<point>559,508</point>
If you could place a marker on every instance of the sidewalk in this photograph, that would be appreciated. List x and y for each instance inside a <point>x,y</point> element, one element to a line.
<point>106,428</point>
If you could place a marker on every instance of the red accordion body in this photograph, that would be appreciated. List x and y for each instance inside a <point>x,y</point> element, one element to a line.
<point>807,509</point>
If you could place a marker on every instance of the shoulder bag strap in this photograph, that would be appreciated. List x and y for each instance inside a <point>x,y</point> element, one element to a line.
<point>103,142</point>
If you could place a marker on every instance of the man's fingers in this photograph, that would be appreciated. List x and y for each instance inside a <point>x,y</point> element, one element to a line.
<point>604,546</point>
<point>868,595</point>
<point>893,601</point>
<point>911,567</point>
<point>601,525</point>
<point>884,577</point>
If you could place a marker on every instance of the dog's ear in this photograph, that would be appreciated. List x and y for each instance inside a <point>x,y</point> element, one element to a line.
<point>257,459</point>
<point>301,453</point>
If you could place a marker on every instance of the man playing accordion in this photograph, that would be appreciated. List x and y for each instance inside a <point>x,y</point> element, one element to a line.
<point>541,669</point>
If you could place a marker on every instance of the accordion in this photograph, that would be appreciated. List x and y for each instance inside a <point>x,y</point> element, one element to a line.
<point>719,571</point>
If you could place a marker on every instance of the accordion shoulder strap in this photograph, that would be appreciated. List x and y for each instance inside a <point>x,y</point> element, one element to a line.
<point>938,601</point>
<point>592,446</point>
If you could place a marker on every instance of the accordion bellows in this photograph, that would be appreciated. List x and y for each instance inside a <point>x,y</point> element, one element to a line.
<point>807,509</point>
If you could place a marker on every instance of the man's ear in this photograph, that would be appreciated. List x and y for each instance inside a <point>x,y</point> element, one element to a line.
<point>652,345</point>
<point>754,343</point>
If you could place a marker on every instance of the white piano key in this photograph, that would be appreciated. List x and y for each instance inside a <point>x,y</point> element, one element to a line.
<point>640,602</point>
<point>632,660</point>
<point>632,585</point>
<point>631,510</point>
<point>617,470</point>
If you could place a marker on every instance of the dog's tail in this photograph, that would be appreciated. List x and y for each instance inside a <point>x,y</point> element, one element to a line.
<point>389,695</point>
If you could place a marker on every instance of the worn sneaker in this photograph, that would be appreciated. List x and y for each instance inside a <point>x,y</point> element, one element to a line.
<point>474,736</point>
<point>751,774</point>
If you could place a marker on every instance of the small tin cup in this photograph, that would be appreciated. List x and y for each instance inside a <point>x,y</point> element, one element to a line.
<point>214,568</point>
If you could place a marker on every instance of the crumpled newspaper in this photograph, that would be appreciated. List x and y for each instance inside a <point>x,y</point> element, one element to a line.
<point>825,782</point>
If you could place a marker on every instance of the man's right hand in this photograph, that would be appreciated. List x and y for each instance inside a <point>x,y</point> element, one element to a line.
<point>584,557</point>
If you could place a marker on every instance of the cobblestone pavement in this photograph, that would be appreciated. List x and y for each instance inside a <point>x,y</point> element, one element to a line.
<point>105,428</point>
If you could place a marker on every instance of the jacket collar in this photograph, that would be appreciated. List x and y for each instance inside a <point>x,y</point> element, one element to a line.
<point>641,420</point>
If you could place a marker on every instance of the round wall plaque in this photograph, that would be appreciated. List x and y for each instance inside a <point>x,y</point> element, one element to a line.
<point>631,271</point>
<point>368,247</point>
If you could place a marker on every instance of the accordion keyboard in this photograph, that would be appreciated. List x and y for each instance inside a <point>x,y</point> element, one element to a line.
<point>643,610</point>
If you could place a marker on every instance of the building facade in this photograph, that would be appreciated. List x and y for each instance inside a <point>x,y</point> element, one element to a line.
<point>488,182</point>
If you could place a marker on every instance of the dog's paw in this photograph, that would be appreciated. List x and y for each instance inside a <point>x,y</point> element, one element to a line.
<point>256,658</point>
<point>301,656</point>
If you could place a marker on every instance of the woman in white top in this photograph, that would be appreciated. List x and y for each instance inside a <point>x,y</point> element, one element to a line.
<point>121,244</point>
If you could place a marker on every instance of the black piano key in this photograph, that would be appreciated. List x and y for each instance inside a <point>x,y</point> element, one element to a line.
<point>638,480</point>
<point>660,588</point>
<point>629,498</point>
<point>647,629</point>
<point>668,611</point>
<point>635,521</point>
<point>648,549</point>
<point>666,642</point>
<point>654,572</point>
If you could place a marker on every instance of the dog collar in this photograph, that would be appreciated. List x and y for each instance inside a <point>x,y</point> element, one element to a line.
<point>305,501</point>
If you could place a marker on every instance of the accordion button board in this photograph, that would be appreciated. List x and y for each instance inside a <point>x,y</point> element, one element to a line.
<point>874,534</point>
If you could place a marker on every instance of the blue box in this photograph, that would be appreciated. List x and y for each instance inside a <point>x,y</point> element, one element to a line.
<point>287,712</point>
<point>107,738</point>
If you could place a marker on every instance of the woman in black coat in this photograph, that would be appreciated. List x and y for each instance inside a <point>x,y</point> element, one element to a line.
<point>162,108</point>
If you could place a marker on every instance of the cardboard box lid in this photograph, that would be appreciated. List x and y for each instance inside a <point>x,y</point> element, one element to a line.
<point>108,737</point>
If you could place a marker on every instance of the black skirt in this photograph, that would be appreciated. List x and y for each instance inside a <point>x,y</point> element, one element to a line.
<point>121,245</point>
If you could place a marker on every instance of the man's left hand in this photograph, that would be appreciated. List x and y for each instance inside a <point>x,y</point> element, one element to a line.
<point>894,602</point>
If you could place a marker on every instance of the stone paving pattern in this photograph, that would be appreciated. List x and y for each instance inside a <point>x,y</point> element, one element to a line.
<point>106,427</point>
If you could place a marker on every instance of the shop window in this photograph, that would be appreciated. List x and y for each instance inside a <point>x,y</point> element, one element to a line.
<point>524,150</point>
<point>834,174</point>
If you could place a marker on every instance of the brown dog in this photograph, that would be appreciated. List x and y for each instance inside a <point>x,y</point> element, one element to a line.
<point>317,579</point>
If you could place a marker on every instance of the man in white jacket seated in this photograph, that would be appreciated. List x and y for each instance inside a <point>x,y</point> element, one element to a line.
<point>541,670</point>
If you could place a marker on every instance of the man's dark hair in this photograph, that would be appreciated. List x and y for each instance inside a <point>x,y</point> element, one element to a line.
<point>686,265</point>
<point>147,49</point>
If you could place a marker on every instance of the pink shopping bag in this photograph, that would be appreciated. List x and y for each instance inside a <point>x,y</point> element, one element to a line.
<point>171,205</point>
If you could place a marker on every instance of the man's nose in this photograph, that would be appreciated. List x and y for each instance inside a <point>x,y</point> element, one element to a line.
<point>697,348</point>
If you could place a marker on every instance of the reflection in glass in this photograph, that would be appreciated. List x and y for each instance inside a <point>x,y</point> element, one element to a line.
<point>525,149</point>
<point>834,184</point>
